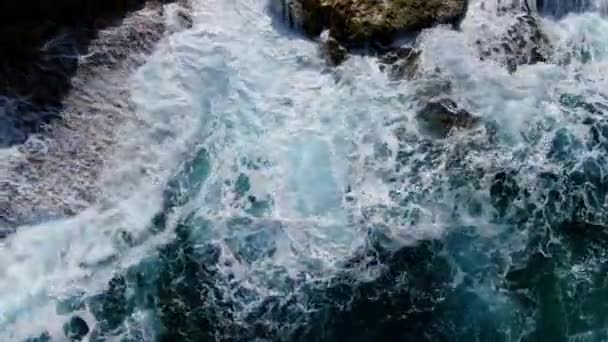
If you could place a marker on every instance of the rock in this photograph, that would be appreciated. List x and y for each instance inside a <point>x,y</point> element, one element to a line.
<point>440,117</point>
<point>76,329</point>
<point>401,63</point>
<point>356,23</point>
<point>333,51</point>
<point>522,42</point>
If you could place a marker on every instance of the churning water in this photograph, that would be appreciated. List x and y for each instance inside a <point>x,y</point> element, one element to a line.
<point>260,195</point>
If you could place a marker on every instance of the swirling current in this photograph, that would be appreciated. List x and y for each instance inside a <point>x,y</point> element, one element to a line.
<point>261,195</point>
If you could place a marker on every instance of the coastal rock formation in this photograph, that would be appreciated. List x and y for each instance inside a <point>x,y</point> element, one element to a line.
<point>439,117</point>
<point>358,23</point>
<point>401,63</point>
<point>515,37</point>
<point>522,43</point>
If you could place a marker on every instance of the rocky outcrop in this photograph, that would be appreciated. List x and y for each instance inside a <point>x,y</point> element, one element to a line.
<point>522,43</point>
<point>440,117</point>
<point>356,23</point>
<point>333,51</point>
<point>401,63</point>
<point>513,37</point>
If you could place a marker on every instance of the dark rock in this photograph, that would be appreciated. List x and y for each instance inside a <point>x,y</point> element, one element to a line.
<point>333,51</point>
<point>522,43</point>
<point>401,63</point>
<point>439,117</point>
<point>76,329</point>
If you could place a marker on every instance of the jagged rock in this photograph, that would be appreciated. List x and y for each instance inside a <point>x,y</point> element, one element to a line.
<point>334,52</point>
<point>401,63</point>
<point>355,23</point>
<point>439,117</point>
<point>520,42</point>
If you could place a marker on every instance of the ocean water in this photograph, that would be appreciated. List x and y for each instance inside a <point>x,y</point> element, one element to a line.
<point>261,195</point>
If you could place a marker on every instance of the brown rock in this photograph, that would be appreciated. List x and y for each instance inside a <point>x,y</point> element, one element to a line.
<point>356,22</point>
<point>362,21</point>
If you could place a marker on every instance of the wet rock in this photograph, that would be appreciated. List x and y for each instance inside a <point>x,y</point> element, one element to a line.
<point>334,52</point>
<point>440,117</point>
<point>523,42</point>
<point>76,329</point>
<point>356,23</point>
<point>401,63</point>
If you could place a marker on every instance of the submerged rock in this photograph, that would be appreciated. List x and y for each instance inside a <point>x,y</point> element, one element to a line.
<point>439,117</point>
<point>516,39</point>
<point>401,63</point>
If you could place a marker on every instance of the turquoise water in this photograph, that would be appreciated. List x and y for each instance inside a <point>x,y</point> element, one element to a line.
<point>262,195</point>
